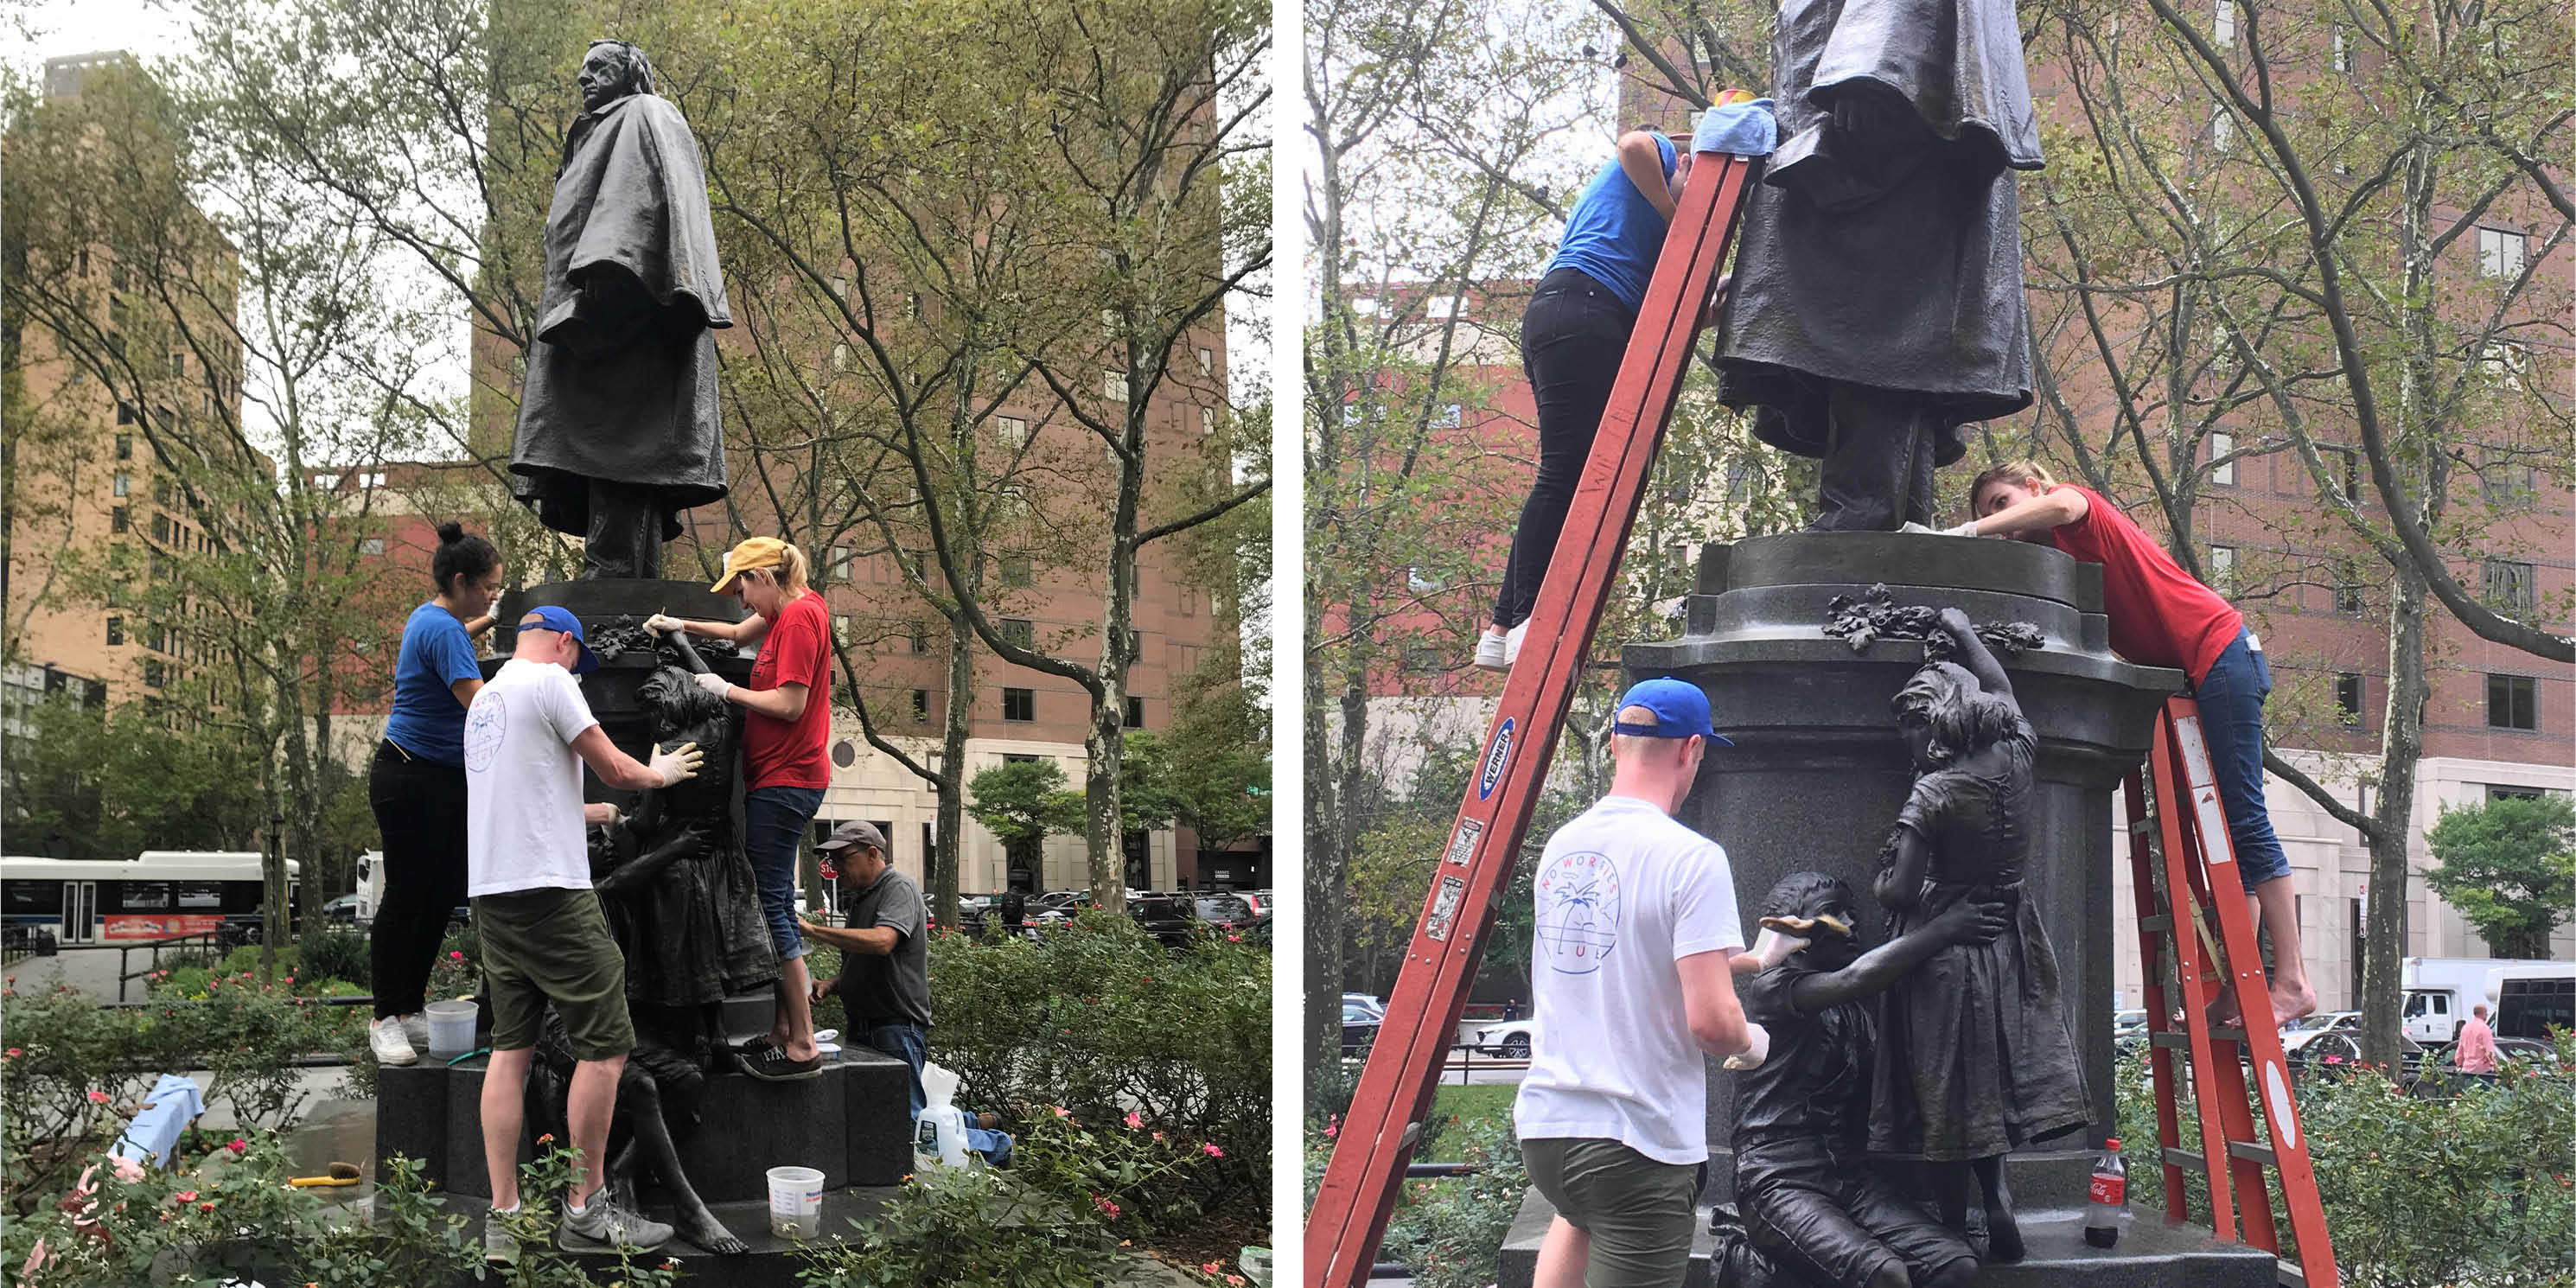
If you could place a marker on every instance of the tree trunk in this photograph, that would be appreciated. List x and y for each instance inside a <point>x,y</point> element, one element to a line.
<point>2402,742</point>
<point>949,846</point>
<point>1327,872</point>
<point>1106,744</point>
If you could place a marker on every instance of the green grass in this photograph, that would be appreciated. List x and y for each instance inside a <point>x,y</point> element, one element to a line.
<point>1484,1100</point>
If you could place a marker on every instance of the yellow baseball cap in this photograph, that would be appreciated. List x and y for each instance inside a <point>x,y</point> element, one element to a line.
<point>754,552</point>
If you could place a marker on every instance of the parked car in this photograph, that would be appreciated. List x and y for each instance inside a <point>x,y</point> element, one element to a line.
<point>2334,1051</point>
<point>2299,1033</point>
<point>342,911</point>
<point>1359,1029</point>
<point>1170,918</point>
<point>1228,910</point>
<point>1511,1039</point>
<point>1369,1002</point>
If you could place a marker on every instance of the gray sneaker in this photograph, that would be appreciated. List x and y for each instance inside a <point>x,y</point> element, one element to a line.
<point>498,1246</point>
<point>604,1225</point>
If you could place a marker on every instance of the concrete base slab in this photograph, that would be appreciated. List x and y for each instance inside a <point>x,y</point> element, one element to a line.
<point>2151,1254</point>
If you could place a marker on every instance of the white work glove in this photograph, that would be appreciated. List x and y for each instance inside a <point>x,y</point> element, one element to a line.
<point>1773,946</point>
<point>714,683</point>
<point>1761,1049</point>
<point>662,624</point>
<point>679,764</point>
<point>1968,529</point>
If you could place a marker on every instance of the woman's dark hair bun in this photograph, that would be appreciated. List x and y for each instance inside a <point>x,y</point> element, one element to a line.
<point>450,532</point>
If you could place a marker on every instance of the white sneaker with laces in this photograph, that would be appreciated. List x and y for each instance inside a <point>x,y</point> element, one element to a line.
<point>1489,650</point>
<point>391,1044</point>
<point>1512,644</point>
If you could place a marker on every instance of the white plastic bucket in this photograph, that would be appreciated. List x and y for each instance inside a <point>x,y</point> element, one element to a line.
<point>796,1202</point>
<point>451,1027</point>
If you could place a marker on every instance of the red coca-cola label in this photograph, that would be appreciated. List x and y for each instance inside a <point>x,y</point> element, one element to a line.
<point>2113,1190</point>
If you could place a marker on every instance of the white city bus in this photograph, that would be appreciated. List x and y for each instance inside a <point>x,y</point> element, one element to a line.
<point>160,894</point>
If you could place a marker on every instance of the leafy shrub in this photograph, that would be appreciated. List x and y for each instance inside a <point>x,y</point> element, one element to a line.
<point>960,1227</point>
<point>1450,1232</point>
<point>330,953</point>
<point>227,1216</point>
<point>1100,1019</point>
<point>72,1067</point>
<point>2462,1182</point>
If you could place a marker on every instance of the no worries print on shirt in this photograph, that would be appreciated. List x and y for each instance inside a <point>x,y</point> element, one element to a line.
<point>1578,912</point>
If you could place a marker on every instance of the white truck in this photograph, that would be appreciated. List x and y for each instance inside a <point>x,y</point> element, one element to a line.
<point>2440,990</point>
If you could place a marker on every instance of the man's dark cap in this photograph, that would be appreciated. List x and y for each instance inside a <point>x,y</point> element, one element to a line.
<point>854,832</point>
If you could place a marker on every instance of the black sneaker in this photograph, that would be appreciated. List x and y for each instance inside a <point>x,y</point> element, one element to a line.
<point>772,1064</point>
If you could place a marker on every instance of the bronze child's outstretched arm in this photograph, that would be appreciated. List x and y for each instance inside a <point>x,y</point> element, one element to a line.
<point>1875,970</point>
<point>1975,657</point>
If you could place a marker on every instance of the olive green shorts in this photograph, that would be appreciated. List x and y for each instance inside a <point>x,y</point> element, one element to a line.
<point>552,945</point>
<point>1638,1211</point>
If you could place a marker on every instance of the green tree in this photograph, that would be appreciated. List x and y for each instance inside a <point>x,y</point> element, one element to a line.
<point>1022,803</point>
<point>2509,866</point>
<point>88,783</point>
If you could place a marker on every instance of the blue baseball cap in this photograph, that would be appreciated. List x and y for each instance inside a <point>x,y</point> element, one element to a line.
<point>548,617</point>
<point>1681,711</point>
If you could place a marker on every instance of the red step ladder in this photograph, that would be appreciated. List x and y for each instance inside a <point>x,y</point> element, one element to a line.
<point>2200,861</point>
<point>1376,1139</point>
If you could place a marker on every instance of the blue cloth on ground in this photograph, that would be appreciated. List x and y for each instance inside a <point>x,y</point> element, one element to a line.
<point>427,719</point>
<point>1615,233</point>
<point>154,1134</point>
<point>1745,129</point>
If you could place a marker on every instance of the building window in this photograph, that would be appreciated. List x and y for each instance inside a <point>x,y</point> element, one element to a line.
<point>161,528</point>
<point>2222,472</point>
<point>2499,253</point>
<point>1019,631</point>
<point>1020,758</point>
<point>1207,421</point>
<point>2513,702</point>
<point>2508,791</point>
<point>124,484</point>
<point>2351,462</point>
<point>1020,705</point>
<point>916,641</point>
<point>116,520</point>
<point>124,415</point>
<point>2222,24</point>
<point>2512,587</point>
<point>1135,644</point>
<point>1013,429</point>
<point>840,569</point>
<point>2348,597</point>
<point>116,630</point>
<point>1113,386</point>
<point>2222,130</point>
<point>921,706</point>
<point>152,672</point>
<point>372,546</point>
<point>840,628</point>
<point>1017,572</point>
<point>1207,361</point>
<point>1135,713</point>
<point>2341,60</point>
<point>2222,566</point>
<point>1185,602</point>
<point>2348,698</point>
<point>125,447</point>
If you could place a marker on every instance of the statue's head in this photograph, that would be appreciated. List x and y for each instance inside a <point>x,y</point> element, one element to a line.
<point>1814,896</point>
<point>676,701</point>
<point>612,70</point>
<point>1944,714</point>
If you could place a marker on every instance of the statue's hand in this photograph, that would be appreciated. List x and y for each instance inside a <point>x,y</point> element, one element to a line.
<point>1957,623</point>
<point>1968,922</point>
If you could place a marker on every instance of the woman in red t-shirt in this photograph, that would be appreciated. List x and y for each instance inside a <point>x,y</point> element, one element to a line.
<point>784,773</point>
<point>2160,616</point>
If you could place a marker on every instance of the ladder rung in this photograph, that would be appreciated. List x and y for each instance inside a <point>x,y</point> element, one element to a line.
<point>2169,1041</point>
<point>2227,1033</point>
<point>2158,923</point>
<point>2186,1159</point>
<point>2142,827</point>
<point>2253,1152</point>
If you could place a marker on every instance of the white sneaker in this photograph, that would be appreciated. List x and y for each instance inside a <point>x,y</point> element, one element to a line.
<point>498,1243</point>
<point>416,1028</point>
<point>391,1044</point>
<point>1489,650</point>
<point>1512,644</point>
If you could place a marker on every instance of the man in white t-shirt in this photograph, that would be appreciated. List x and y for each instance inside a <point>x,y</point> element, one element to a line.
<point>1631,975</point>
<point>527,870</point>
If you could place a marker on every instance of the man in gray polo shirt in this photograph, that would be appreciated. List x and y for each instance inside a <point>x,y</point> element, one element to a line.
<point>884,985</point>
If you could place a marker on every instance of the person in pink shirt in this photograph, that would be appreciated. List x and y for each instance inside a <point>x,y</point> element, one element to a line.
<point>2476,1051</point>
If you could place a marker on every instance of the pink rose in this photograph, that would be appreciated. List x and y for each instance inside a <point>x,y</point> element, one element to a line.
<point>98,1097</point>
<point>1213,1151</point>
<point>237,1145</point>
<point>1134,1120</point>
<point>127,1170</point>
<point>184,1196</point>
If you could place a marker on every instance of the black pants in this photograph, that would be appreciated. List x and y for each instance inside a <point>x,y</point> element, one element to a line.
<point>420,810</point>
<point>1572,337</point>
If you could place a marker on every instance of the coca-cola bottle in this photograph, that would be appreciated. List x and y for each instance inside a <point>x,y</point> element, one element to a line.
<point>2110,1197</point>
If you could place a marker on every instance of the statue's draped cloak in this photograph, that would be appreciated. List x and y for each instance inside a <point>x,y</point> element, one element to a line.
<point>631,269</point>
<point>1892,262</point>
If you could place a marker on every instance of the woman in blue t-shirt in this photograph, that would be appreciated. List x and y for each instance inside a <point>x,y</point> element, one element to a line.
<point>1572,337</point>
<point>417,785</point>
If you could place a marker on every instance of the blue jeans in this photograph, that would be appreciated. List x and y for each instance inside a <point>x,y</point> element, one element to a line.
<point>773,826</point>
<point>2231,719</point>
<point>908,1044</point>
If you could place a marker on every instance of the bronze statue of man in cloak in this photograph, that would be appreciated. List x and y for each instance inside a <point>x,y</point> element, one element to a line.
<point>618,423</point>
<point>1877,301</point>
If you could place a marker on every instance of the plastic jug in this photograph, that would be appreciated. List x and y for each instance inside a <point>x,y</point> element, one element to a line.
<point>939,1135</point>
